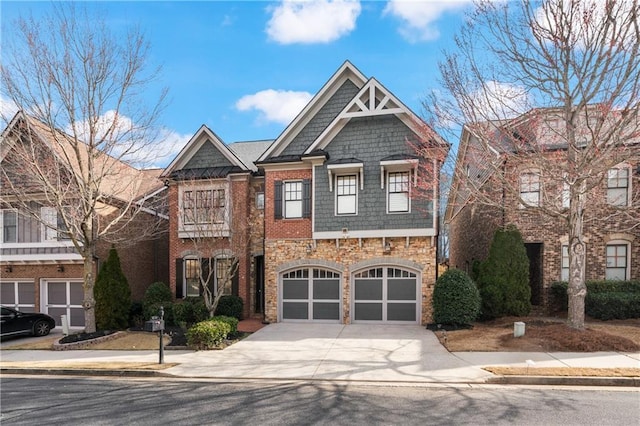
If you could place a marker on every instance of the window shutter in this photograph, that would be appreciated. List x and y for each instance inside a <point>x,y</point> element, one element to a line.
<point>306,198</point>
<point>179,279</point>
<point>235,283</point>
<point>277,197</point>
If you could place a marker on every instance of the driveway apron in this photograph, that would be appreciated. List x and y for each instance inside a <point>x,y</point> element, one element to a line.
<point>368,352</point>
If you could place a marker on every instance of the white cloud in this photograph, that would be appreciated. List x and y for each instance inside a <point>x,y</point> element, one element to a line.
<point>499,101</point>
<point>317,21</point>
<point>419,17</point>
<point>8,109</point>
<point>279,106</point>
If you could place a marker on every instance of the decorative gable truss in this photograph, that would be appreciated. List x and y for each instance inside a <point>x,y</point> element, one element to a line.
<point>372,100</point>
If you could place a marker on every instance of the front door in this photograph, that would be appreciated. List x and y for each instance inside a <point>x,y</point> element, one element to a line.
<point>534,253</point>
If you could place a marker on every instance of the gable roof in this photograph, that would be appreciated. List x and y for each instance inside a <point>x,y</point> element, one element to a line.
<point>347,71</point>
<point>123,181</point>
<point>240,155</point>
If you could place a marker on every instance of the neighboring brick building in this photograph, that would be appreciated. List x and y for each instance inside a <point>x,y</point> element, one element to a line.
<point>346,237</point>
<point>40,269</point>
<point>612,213</point>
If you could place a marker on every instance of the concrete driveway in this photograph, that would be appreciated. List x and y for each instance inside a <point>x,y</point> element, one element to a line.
<point>398,353</point>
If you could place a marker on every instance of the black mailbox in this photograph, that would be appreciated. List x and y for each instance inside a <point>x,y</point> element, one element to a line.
<point>154,324</point>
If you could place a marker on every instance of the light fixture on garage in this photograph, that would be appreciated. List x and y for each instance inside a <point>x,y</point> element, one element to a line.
<point>60,268</point>
<point>309,248</point>
<point>8,269</point>
<point>387,247</point>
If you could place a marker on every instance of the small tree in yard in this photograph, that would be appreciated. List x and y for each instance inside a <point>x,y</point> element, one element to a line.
<point>574,68</point>
<point>503,280</point>
<point>113,295</point>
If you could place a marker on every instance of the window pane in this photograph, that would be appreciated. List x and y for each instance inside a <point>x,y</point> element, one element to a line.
<point>9,226</point>
<point>293,199</point>
<point>398,192</point>
<point>398,202</point>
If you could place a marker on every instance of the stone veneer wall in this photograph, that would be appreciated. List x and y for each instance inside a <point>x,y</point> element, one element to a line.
<point>279,252</point>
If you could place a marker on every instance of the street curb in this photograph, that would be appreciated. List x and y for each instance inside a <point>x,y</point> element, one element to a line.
<point>565,381</point>
<point>497,380</point>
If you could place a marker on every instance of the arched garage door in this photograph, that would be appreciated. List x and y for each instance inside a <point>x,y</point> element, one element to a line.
<point>386,294</point>
<point>310,294</point>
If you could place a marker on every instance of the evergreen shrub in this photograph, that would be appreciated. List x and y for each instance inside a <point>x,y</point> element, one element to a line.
<point>456,299</point>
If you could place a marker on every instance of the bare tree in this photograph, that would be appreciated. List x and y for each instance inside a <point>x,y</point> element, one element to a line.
<point>574,65</point>
<point>83,121</point>
<point>217,226</point>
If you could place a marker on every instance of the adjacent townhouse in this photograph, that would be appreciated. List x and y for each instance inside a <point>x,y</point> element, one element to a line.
<point>40,269</point>
<point>479,203</point>
<point>348,235</point>
<point>216,202</point>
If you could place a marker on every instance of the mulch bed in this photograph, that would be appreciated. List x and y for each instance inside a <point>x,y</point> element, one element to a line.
<point>81,337</point>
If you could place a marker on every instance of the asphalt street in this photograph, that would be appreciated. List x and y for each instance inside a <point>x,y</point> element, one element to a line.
<point>82,401</point>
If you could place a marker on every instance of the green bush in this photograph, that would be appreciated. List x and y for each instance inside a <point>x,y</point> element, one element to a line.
<point>136,315</point>
<point>158,294</point>
<point>207,334</point>
<point>503,279</point>
<point>112,294</point>
<point>456,299</point>
<point>190,311</point>
<point>605,299</point>
<point>230,306</point>
<point>231,321</point>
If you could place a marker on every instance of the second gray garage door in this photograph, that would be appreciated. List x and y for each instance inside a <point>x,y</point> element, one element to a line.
<point>386,294</point>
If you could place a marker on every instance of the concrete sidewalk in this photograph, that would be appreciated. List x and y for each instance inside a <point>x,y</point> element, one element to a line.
<point>335,352</point>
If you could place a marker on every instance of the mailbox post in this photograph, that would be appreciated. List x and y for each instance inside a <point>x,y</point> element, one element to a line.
<point>157,324</point>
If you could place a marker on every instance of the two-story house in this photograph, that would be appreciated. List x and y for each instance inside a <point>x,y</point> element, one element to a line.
<point>529,154</point>
<point>216,201</point>
<point>40,269</point>
<point>347,237</point>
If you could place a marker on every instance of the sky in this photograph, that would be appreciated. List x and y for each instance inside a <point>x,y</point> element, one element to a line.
<point>246,68</point>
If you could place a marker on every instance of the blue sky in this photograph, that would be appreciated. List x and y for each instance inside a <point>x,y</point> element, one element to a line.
<point>245,68</point>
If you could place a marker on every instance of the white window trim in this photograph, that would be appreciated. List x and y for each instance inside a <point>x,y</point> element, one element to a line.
<point>356,195</point>
<point>284,198</point>
<point>410,165</point>
<point>185,287</point>
<point>346,169</point>
<point>203,230</point>
<point>523,204</point>
<point>2,226</point>
<point>387,193</point>
<point>49,225</point>
<point>629,185</point>
<point>627,269</point>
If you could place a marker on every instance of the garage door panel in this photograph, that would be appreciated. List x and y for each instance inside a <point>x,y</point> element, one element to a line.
<point>295,289</point>
<point>326,310</point>
<point>77,317</point>
<point>401,311</point>
<point>368,311</point>
<point>26,294</point>
<point>76,294</point>
<point>57,293</point>
<point>56,313</point>
<point>295,310</point>
<point>326,289</point>
<point>7,294</point>
<point>368,289</point>
<point>402,289</point>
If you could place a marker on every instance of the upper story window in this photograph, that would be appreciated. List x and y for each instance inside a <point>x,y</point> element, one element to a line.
<point>398,199</point>
<point>260,200</point>
<point>347,194</point>
<point>9,221</point>
<point>564,263</point>
<point>617,261</point>
<point>292,199</point>
<point>530,188</point>
<point>618,187</point>
<point>203,206</point>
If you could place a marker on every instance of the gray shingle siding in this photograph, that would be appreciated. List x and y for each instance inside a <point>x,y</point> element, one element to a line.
<point>207,156</point>
<point>369,139</point>
<point>322,119</point>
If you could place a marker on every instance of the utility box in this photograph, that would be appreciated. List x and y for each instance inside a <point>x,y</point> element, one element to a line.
<point>518,329</point>
<point>154,324</point>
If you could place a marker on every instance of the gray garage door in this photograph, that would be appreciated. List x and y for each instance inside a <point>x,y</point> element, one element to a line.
<point>385,294</point>
<point>311,294</point>
<point>64,298</point>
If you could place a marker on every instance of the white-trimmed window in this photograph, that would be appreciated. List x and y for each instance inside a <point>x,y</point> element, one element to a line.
<point>49,229</point>
<point>530,188</point>
<point>260,200</point>
<point>192,277</point>
<point>398,192</point>
<point>203,206</point>
<point>564,263</point>
<point>347,195</point>
<point>617,255</point>
<point>293,199</point>
<point>9,228</point>
<point>618,186</point>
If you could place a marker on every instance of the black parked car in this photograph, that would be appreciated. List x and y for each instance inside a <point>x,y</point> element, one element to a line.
<point>16,323</point>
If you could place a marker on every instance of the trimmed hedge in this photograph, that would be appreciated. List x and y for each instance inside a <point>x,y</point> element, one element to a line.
<point>230,306</point>
<point>605,299</point>
<point>456,300</point>
<point>190,311</point>
<point>231,321</point>
<point>158,294</point>
<point>208,334</point>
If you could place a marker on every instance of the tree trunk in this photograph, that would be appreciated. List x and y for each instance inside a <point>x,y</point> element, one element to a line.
<point>89,302</point>
<point>577,289</point>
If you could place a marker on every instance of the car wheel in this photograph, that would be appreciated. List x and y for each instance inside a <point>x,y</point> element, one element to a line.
<point>41,328</point>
